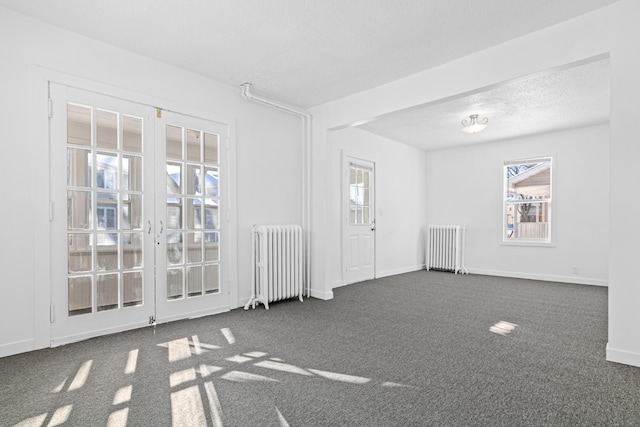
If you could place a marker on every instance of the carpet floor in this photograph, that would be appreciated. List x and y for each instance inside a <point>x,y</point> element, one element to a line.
<point>423,348</point>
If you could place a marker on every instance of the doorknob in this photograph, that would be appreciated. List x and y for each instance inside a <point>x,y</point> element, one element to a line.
<point>373,229</point>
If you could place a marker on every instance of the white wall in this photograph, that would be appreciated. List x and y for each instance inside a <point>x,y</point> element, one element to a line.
<point>472,194</point>
<point>611,30</point>
<point>401,185</point>
<point>268,150</point>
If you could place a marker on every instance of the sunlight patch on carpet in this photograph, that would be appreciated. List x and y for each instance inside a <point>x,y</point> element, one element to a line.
<point>502,328</point>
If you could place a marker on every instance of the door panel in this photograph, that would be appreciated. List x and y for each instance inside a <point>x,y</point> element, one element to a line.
<point>102,257</point>
<point>190,197</point>
<point>359,222</point>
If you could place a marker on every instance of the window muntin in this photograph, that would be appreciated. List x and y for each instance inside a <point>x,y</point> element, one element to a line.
<point>360,195</point>
<point>527,200</point>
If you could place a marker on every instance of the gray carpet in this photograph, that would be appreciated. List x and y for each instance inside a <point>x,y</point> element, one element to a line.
<point>424,348</point>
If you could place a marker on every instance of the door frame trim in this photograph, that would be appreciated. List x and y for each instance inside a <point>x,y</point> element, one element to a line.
<point>39,135</point>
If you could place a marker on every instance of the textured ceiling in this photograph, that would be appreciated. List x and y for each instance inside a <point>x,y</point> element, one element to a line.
<point>304,52</point>
<point>551,101</point>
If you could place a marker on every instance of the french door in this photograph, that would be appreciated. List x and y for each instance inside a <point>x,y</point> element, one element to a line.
<point>135,228</point>
<point>191,212</point>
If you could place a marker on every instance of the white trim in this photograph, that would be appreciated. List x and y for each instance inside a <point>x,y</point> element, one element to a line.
<point>321,295</point>
<point>40,166</point>
<point>546,277</point>
<point>17,347</point>
<point>62,340</point>
<point>396,271</point>
<point>529,242</point>
<point>621,356</point>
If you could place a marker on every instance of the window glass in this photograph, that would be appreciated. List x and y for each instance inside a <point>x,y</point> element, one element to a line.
<point>527,200</point>
<point>359,195</point>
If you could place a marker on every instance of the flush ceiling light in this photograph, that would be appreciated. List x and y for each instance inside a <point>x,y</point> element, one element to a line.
<point>474,123</point>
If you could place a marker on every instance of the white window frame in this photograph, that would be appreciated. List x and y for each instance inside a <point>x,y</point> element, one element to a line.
<point>528,241</point>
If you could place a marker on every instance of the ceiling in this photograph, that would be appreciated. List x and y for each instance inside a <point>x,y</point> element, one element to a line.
<point>308,52</point>
<point>555,100</point>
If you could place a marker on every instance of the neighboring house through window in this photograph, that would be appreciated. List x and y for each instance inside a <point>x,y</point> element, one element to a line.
<point>527,200</point>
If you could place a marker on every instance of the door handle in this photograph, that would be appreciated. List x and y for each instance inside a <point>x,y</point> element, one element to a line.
<point>373,229</point>
<point>149,232</point>
<point>161,227</point>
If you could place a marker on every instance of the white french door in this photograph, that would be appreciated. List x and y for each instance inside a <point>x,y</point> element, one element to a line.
<point>191,207</point>
<point>117,221</point>
<point>359,220</point>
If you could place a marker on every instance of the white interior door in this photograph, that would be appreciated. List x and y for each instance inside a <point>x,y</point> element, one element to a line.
<point>101,214</point>
<point>359,221</point>
<point>139,215</point>
<point>192,211</point>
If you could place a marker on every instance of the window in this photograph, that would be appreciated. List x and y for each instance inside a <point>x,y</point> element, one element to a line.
<point>527,200</point>
<point>360,195</point>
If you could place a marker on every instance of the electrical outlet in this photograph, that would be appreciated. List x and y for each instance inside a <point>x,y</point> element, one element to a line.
<point>576,270</point>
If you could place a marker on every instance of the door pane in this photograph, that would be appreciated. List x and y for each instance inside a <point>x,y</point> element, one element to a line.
<point>193,145</point>
<point>194,209</point>
<point>174,177</point>
<point>78,167</point>
<point>107,129</point>
<point>174,142</point>
<point>132,212</point>
<point>194,247</point>
<point>132,173</point>
<point>211,182</point>
<point>174,213</point>
<point>132,134</point>
<point>80,295</point>
<point>78,124</point>
<point>211,148</point>
<point>107,291</point>
<point>79,210</point>
<point>212,278</point>
<point>174,283</point>
<point>132,288</point>
<point>132,250</point>
<point>80,250</point>
<point>107,252</point>
<point>194,280</point>
<point>193,180</point>
<point>174,248</point>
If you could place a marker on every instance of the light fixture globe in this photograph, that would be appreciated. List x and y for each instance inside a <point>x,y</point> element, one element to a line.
<point>474,123</point>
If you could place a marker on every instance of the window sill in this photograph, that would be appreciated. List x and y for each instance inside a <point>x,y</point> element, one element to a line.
<point>533,243</point>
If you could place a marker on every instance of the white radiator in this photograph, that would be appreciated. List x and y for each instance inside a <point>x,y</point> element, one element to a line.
<point>278,264</point>
<point>445,248</point>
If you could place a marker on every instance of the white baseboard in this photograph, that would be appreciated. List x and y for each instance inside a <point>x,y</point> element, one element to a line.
<point>395,271</point>
<point>621,356</point>
<point>321,295</point>
<point>547,277</point>
<point>337,284</point>
<point>17,347</point>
